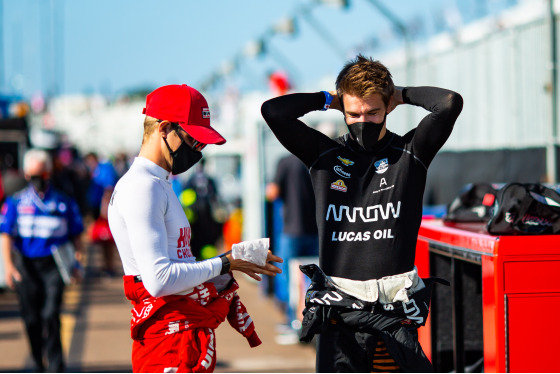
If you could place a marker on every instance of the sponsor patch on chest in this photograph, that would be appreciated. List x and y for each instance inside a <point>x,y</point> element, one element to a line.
<point>350,236</point>
<point>345,161</point>
<point>339,185</point>
<point>381,166</point>
<point>340,171</point>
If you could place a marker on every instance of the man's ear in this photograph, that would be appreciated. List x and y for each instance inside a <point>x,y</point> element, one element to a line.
<point>390,106</point>
<point>164,127</point>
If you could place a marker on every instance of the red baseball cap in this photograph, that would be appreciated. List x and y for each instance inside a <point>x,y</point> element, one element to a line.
<point>186,106</point>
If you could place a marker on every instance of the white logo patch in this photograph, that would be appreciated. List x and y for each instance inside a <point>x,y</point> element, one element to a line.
<point>381,166</point>
<point>205,113</point>
<point>340,171</point>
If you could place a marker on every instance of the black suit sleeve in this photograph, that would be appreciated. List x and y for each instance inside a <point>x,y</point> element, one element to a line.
<point>282,113</point>
<point>434,129</point>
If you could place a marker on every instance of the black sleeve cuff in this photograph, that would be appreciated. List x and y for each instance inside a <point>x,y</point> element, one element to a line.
<point>405,96</point>
<point>225,265</point>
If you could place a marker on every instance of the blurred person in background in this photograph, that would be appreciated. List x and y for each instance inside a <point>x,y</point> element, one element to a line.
<point>70,175</point>
<point>1,189</point>
<point>368,187</point>
<point>177,301</point>
<point>12,181</point>
<point>233,226</point>
<point>279,82</point>
<point>36,221</point>
<point>292,184</point>
<point>103,179</point>
<point>102,176</point>
<point>121,164</point>
<point>100,235</point>
<point>201,201</point>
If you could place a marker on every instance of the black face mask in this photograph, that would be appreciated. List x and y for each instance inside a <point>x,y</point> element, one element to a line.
<point>183,158</point>
<point>39,183</point>
<point>366,134</point>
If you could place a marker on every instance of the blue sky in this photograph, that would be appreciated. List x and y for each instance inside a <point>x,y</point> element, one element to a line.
<point>111,46</point>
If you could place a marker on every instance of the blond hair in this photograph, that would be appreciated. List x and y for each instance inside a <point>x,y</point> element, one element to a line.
<point>150,124</point>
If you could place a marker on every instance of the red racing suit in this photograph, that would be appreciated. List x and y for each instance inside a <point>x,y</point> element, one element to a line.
<point>175,333</point>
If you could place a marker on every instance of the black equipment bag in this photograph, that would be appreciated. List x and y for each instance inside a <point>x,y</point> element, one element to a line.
<point>474,203</point>
<point>525,209</point>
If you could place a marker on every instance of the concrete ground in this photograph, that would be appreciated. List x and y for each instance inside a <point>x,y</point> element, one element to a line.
<point>96,335</point>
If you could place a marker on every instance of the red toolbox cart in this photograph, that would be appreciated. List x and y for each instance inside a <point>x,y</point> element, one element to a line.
<point>499,315</point>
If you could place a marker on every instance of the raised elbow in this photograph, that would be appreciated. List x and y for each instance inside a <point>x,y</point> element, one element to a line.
<point>450,107</point>
<point>273,110</point>
<point>266,110</point>
<point>455,102</point>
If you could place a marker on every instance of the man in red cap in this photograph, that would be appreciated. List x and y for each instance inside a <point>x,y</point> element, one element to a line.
<point>177,301</point>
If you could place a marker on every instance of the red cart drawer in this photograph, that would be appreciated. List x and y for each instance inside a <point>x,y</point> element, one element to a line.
<point>532,334</point>
<point>531,276</point>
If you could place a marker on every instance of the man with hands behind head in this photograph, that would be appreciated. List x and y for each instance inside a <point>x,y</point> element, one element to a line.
<point>366,296</point>
<point>177,301</point>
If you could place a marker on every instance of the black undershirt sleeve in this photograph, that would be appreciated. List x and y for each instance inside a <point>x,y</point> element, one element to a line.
<point>434,129</point>
<point>282,113</point>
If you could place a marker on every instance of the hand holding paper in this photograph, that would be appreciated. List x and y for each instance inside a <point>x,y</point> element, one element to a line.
<point>254,251</point>
<point>253,258</point>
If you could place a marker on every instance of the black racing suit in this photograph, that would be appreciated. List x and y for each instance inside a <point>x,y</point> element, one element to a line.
<point>368,203</point>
